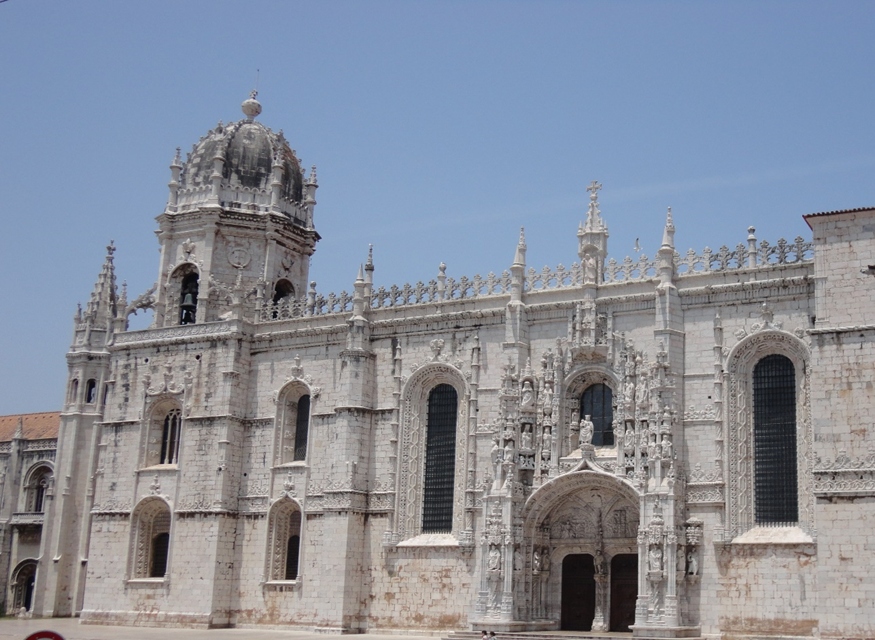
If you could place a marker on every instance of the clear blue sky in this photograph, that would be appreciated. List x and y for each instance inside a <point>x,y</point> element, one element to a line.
<point>438,129</point>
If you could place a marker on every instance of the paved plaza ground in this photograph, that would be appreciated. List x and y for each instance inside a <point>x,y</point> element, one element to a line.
<point>70,629</point>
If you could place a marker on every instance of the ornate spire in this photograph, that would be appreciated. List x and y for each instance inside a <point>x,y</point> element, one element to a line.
<point>101,308</point>
<point>519,257</point>
<point>593,214</point>
<point>668,232</point>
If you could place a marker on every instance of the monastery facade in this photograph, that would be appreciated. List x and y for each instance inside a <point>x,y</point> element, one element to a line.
<point>676,447</point>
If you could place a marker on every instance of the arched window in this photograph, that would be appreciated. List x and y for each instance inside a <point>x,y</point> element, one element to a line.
<point>23,579</point>
<point>150,539</point>
<point>170,437</point>
<point>91,391</point>
<point>597,403</point>
<point>284,544</point>
<point>282,290</point>
<point>74,390</point>
<point>295,421</point>
<point>164,434</point>
<point>283,294</point>
<point>440,454</point>
<point>774,436</point>
<point>36,488</point>
<point>188,299</point>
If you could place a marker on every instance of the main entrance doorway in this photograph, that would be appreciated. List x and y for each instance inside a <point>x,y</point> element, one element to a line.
<point>578,592</point>
<point>624,591</point>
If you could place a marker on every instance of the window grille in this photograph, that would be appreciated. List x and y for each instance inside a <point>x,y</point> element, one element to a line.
<point>774,434</point>
<point>597,402</point>
<point>302,424</point>
<point>440,454</point>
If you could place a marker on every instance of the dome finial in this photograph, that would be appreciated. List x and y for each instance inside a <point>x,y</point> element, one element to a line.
<point>251,107</point>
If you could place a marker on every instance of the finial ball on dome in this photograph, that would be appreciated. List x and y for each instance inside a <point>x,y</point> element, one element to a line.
<point>251,107</point>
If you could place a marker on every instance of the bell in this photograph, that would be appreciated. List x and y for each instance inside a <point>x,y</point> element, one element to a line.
<point>188,303</point>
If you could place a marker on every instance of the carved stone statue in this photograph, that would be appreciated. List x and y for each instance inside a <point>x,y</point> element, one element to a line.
<point>643,393</point>
<point>692,564</point>
<point>599,563</point>
<point>545,559</point>
<point>586,430</point>
<point>517,559</point>
<point>665,445</point>
<point>654,559</point>
<point>493,560</point>
<point>546,443</point>
<point>589,273</point>
<point>528,396</point>
<point>548,401</point>
<point>526,437</point>
<point>629,442</point>
<point>536,559</point>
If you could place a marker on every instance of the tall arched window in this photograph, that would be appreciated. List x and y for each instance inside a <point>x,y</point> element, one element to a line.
<point>91,391</point>
<point>170,437</point>
<point>774,436</point>
<point>284,542</point>
<point>440,453</point>
<point>36,488</point>
<point>294,420</point>
<point>188,299</point>
<point>150,539</point>
<point>597,403</point>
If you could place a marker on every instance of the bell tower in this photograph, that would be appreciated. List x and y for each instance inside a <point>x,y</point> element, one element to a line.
<point>237,231</point>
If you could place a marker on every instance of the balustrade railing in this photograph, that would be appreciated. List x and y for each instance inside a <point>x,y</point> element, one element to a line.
<point>444,288</point>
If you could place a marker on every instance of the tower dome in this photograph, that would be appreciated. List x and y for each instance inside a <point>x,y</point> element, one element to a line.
<point>242,165</point>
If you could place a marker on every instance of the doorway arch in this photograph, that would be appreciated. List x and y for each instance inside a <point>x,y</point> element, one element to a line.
<point>586,522</point>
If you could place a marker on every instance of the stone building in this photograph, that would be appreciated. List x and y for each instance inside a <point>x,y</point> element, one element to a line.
<point>27,458</point>
<point>676,445</point>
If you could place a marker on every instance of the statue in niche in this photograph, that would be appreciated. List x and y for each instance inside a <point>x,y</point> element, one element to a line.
<point>526,438</point>
<point>546,443</point>
<point>589,272</point>
<point>643,393</point>
<point>586,430</point>
<point>536,560</point>
<point>517,559</point>
<point>629,392</point>
<point>629,442</point>
<point>599,563</point>
<point>654,559</point>
<point>692,564</point>
<point>665,446</point>
<point>545,559</point>
<point>528,396</point>
<point>548,401</point>
<point>493,561</point>
<point>652,448</point>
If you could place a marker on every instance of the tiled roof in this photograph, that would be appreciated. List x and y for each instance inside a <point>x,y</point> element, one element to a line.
<point>832,213</point>
<point>37,426</point>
